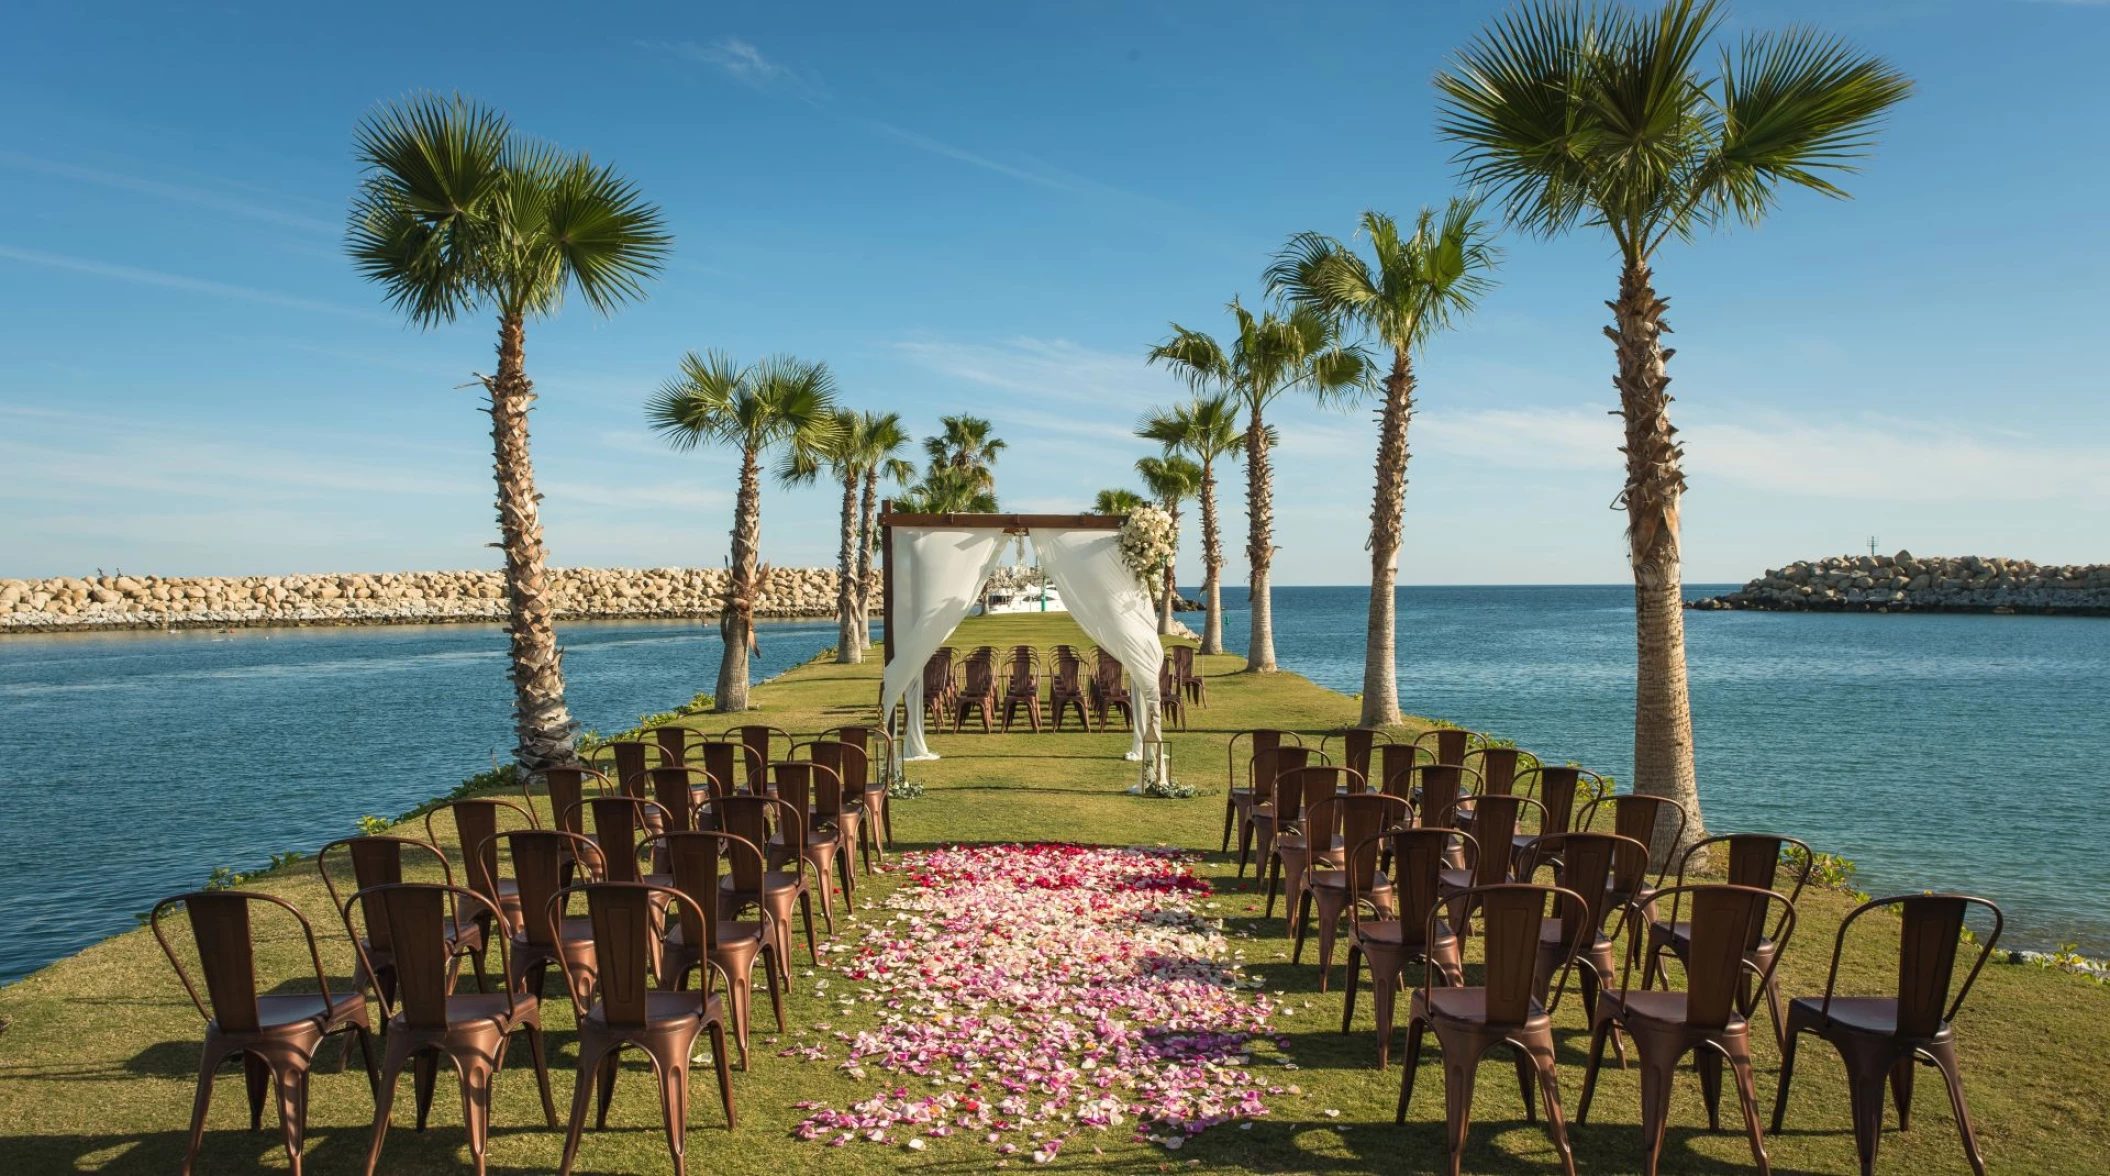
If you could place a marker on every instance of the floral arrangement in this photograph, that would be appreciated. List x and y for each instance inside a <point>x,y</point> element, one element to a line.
<point>1146,543</point>
<point>1028,997</point>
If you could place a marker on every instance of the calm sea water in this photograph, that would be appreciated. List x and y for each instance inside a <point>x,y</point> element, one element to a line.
<point>1934,751</point>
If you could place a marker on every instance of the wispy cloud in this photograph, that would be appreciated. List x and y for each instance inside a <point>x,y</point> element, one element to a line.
<point>1052,370</point>
<point>741,61</point>
<point>168,281</point>
<point>202,197</point>
<point>1046,178</point>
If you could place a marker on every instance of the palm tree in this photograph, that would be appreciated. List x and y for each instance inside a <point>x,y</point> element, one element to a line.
<point>884,441</point>
<point>1171,480</point>
<point>1603,117</point>
<point>1411,288</point>
<point>1118,501</point>
<point>949,490</point>
<point>843,456</point>
<point>781,405</point>
<point>455,213</point>
<point>1269,355</point>
<point>1206,428</point>
<point>965,443</point>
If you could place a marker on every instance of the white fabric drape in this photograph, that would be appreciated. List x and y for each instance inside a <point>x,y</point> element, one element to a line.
<point>936,574</point>
<point>1113,609</point>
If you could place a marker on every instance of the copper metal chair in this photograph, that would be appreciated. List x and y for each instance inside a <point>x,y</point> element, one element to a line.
<point>879,808</point>
<point>1495,822</point>
<point>1448,744</point>
<point>1109,690</point>
<point>1353,819</point>
<point>772,890</point>
<point>565,788</point>
<point>1066,689</point>
<point>1657,822</point>
<point>1192,686</point>
<point>1587,863</point>
<point>1882,1037</point>
<point>1556,787</point>
<point>1497,767</point>
<point>620,1008</point>
<point>673,740</point>
<point>1172,703</point>
<point>701,940</point>
<point>433,1021</point>
<point>1238,801</point>
<point>677,791</point>
<point>475,824</point>
<point>830,830</point>
<point>276,1035</point>
<point>1022,686</point>
<point>1392,768</point>
<point>1289,844</point>
<point>1469,1021</point>
<point>541,858</point>
<point>977,691</point>
<point>626,760</point>
<point>1708,1020</point>
<point>1260,826</point>
<point>1755,859</point>
<point>1351,748</point>
<point>731,764</point>
<point>762,738</point>
<point>939,685</point>
<point>376,861</point>
<point>853,774</point>
<point>1408,935</point>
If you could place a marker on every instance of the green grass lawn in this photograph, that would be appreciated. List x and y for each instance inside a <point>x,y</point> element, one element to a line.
<point>99,1051</point>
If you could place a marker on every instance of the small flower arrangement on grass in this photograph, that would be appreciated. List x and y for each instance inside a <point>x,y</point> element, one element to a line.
<point>1146,543</point>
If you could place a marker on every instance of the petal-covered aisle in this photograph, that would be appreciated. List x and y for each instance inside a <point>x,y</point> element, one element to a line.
<point>1034,996</point>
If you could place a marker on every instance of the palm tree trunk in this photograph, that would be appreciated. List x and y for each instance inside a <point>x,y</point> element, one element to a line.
<point>541,720</point>
<point>1259,549</point>
<point>867,549</point>
<point>1380,645</point>
<point>1212,566</point>
<point>737,622</point>
<point>1654,482</point>
<point>848,649</point>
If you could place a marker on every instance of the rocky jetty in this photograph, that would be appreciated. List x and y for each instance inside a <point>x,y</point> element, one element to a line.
<point>389,598</point>
<point>1908,583</point>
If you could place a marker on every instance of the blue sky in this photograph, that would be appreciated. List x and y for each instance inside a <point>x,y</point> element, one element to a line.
<point>998,208</point>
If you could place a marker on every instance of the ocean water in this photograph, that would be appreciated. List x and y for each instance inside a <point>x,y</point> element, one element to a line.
<point>1935,751</point>
<point>132,763</point>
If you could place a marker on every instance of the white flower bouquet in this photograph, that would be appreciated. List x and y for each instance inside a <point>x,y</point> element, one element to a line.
<point>1146,543</point>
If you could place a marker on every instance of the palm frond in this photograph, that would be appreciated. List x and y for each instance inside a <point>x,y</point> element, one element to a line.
<point>699,403</point>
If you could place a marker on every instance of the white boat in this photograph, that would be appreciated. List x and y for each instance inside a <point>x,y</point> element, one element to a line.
<point>1032,598</point>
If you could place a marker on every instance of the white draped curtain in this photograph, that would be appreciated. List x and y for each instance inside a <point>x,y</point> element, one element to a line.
<point>937,572</point>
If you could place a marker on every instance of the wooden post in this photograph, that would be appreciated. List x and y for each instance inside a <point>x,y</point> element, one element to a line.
<point>886,582</point>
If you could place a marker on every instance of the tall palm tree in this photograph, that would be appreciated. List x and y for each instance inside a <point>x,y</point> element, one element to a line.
<point>965,443</point>
<point>1205,428</point>
<point>884,441</point>
<point>843,456</point>
<point>1412,287</point>
<point>1117,501</point>
<point>1269,355</point>
<point>779,406</point>
<point>1604,117</point>
<point>456,213</point>
<point>949,490</point>
<point>1171,480</point>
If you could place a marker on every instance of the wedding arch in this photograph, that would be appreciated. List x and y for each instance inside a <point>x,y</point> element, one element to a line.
<point>932,566</point>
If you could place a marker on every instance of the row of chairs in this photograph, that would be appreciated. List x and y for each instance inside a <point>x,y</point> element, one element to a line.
<point>1412,863</point>
<point>997,686</point>
<point>681,870</point>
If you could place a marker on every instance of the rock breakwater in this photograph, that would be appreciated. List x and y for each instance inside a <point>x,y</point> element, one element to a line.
<point>387,598</point>
<point>1908,583</point>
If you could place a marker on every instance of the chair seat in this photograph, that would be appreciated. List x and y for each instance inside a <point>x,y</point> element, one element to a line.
<point>729,932</point>
<point>1679,935</point>
<point>1874,1015</point>
<point>576,929</point>
<point>464,1008</point>
<point>277,1012</point>
<point>1331,879</point>
<point>1658,1006</point>
<point>1550,935</point>
<point>1468,1006</point>
<point>1390,933</point>
<point>667,1008</point>
<point>773,881</point>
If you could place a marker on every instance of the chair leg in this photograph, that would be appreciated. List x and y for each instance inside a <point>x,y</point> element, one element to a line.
<point>1708,1064</point>
<point>256,1075</point>
<point>384,1105</point>
<point>1944,1058</point>
<point>1416,1028</point>
<point>813,949</point>
<point>740,999</point>
<point>365,1038</point>
<point>1459,1073</point>
<point>1300,922</point>
<point>1901,1090</point>
<point>476,1075</point>
<point>1527,1074</point>
<point>674,1104</point>
<point>581,1098</point>
<point>1355,961</point>
<point>771,966</point>
<point>1384,995</point>
<point>1274,882</point>
<point>1598,1031</point>
<point>424,1075</point>
<point>604,1085</point>
<point>725,1074</point>
<point>207,1066</point>
<point>1656,1079</point>
<point>535,1051</point>
<point>1230,810</point>
<point>1864,1084</point>
<point>1747,1097</point>
<point>1541,1053</point>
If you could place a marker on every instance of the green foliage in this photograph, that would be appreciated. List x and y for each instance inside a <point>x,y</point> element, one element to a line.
<point>1116,501</point>
<point>1414,285</point>
<point>291,857</point>
<point>1270,354</point>
<point>905,789</point>
<point>1166,788</point>
<point>1828,871</point>
<point>373,826</point>
<point>225,878</point>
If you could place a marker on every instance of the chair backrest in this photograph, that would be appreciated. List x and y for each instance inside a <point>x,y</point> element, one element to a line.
<point>631,758</point>
<point>851,767</point>
<point>811,788</point>
<point>729,762</point>
<point>220,930</point>
<point>1497,767</point>
<point>420,915</point>
<point>1108,673</point>
<point>864,739</point>
<point>376,861</point>
<point>1357,818</point>
<point>1298,789</point>
<point>1022,668</point>
<point>1588,864</point>
<point>1441,786</point>
<point>937,674</point>
<point>538,872</point>
<point>616,822</point>
<point>1258,740</point>
<point>1511,917</point>
<point>1756,859</point>
<point>1183,661</point>
<point>673,743</point>
<point>1496,821</point>
<point>759,736</point>
<point>566,787</point>
<point>1065,674</point>
<point>695,860</point>
<point>1448,743</point>
<point>1418,860</point>
<point>980,674</point>
<point>621,917</point>
<point>1168,682</point>
<point>475,824</point>
<point>1725,921</point>
<point>1932,927</point>
<point>1557,786</point>
<point>1273,765</point>
<point>1391,765</point>
<point>1643,818</point>
<point>749,817</point>
<point>674,791</point>
<point>1355,744</point>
